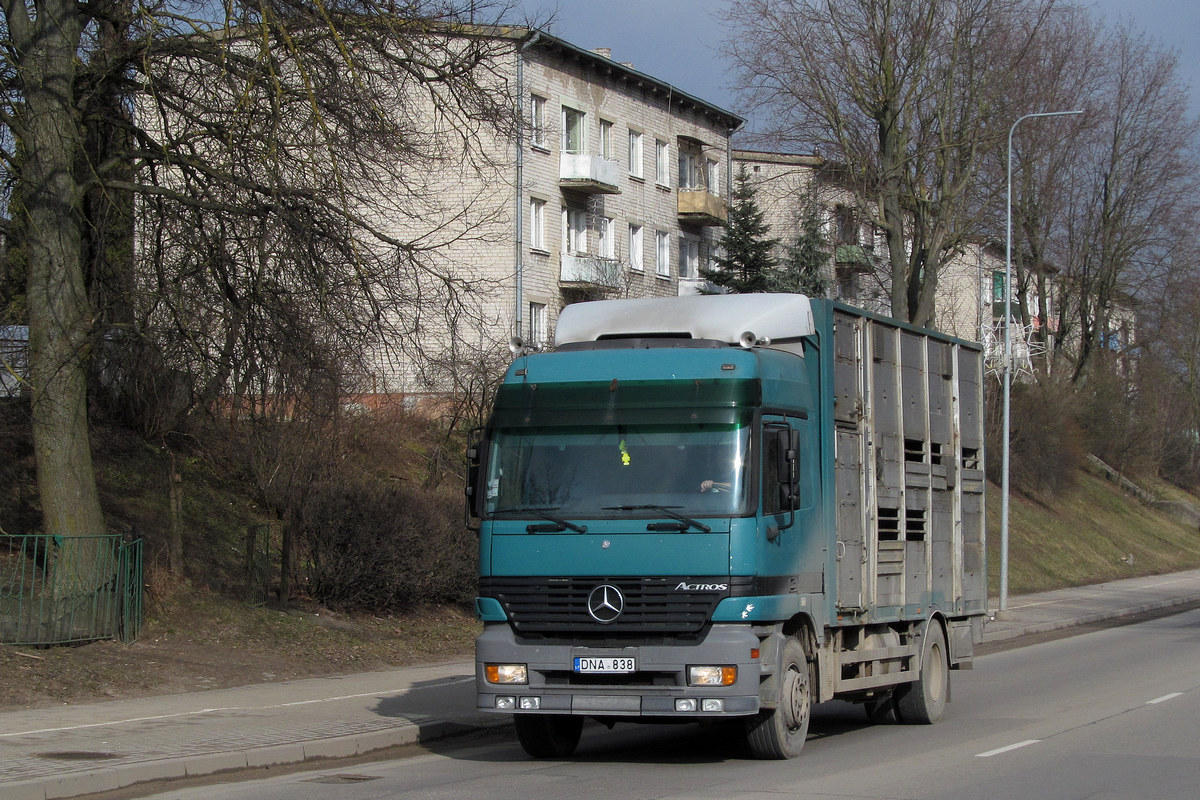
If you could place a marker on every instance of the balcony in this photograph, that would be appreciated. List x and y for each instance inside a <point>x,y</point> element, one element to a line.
<point>587,173</point>
<point>854,257</point>
<point>586,270</point>
<point>692,286</point>
<point>701,207</point>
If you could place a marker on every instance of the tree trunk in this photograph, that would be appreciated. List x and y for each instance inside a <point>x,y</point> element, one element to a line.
<point>60,316</point>
<point>175,534</point>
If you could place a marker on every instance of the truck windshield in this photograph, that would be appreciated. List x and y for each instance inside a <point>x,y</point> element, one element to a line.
<point>620,471</point>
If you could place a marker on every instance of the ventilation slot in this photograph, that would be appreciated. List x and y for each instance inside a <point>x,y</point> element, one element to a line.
<point>889,524</point>
<point>914,525</point>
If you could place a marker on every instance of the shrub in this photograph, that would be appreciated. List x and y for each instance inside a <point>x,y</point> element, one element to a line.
<point>1044,445</point>
<point>386,546</point>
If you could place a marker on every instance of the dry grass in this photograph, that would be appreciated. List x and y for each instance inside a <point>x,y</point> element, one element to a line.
<point>195,639</point>
<point>1086,535</point>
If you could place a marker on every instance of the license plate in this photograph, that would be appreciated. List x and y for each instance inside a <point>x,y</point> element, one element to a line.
<point>605,664</point>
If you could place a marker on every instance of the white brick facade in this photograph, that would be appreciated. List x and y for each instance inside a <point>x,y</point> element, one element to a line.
<point>568,173</point>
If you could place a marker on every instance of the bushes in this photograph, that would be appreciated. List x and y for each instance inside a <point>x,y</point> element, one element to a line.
<point>386,546</point>
<point>1045,450</point>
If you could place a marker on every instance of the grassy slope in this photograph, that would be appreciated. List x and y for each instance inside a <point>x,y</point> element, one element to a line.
<point>1086,536</point>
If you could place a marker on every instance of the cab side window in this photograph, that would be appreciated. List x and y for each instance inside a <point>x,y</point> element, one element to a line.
<point>771,501</point>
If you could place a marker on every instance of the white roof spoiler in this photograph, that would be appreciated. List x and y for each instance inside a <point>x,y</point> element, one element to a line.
<point>736,319</point>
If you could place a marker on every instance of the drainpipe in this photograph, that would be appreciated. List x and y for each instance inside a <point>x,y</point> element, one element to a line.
<point>729,163</point>
<point>520,185</point>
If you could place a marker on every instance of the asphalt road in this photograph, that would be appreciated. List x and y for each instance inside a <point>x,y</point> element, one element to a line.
<point>1103,715</point>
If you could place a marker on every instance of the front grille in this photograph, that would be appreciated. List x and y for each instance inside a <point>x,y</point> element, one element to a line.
<point>653,606</point>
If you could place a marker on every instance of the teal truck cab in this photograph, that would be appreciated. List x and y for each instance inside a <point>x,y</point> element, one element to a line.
<point>728,508</point>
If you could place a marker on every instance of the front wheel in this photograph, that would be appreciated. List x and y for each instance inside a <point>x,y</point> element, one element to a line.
<point>923,701</point>
<point>548,735</point>
<point>779,733</point>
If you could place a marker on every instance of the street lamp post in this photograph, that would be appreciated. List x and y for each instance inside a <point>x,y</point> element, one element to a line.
<point>1007,369</point>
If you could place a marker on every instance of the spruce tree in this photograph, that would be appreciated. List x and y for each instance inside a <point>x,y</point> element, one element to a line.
<point>802,268</point>
<point>745,264</point>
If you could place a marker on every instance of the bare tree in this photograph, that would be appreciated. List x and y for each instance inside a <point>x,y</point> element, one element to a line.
<point>1062,73</point>
<point>277,154</point>
<point>1171,343</point>
<point>905,95</point>
<point>1133,180</point>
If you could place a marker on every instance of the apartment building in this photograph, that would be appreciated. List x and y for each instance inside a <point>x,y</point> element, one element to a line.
<point>621,181</point>
<point>616,185</point>
<point>785,186</point>
<point>970,296</point>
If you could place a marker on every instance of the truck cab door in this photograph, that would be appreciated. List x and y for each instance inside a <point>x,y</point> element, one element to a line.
<point>790,489</point>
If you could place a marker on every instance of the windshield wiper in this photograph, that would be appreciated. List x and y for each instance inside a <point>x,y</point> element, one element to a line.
<point>559,524</point>
<point>688,522</point>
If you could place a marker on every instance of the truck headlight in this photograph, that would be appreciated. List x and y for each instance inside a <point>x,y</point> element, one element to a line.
<point>712,676</point>
<point>506,673</point>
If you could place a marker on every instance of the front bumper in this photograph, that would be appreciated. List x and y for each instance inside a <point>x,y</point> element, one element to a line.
<point>653,691</point>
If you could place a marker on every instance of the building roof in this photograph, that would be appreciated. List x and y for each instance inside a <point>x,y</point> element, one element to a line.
<point>791,159</point>
<point>533,37</point>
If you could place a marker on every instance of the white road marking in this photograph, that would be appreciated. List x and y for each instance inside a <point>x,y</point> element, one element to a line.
<point>1009,748</point>
<point>1164,698</point>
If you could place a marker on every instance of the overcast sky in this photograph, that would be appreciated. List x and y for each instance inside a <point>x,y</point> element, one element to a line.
<point>678,40</point>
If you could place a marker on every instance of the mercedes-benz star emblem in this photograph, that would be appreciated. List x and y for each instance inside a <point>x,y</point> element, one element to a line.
<point>605,603</point>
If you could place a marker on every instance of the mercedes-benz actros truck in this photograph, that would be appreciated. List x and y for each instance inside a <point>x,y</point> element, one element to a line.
<point>728,508</point>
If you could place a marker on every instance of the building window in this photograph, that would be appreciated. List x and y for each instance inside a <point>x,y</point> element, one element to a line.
<point>537,120</point>
<point>537,323</point>
<point>537,224</point>
<point>847,224</point>
<point>635,154</point>
<point>574,231</point>
<point>689,257</point>
<point>608,238</point>
<point>714,177</point>
<point>572,130</point>
<point>635,248</point>
<point>662,174</point>
<point>662,254</point>
<point>689,169</point>
<point>606,139</point>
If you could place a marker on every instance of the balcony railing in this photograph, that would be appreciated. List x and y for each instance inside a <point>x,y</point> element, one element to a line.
<point>590,270</point>
<point>588,173</point>
<point>701,207</point>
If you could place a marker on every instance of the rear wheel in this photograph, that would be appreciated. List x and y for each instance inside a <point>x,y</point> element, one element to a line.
<point>924,700</point>
<point>548,735</point>
<point>779,733</point>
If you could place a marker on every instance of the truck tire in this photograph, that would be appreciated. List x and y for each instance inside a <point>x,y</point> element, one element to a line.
<point>779,733</point>
<point>923,701</point>
<point>548,735</point>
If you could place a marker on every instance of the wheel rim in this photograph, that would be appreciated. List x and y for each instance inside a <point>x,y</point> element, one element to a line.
<point>797,700</point>
<point>936,670</point>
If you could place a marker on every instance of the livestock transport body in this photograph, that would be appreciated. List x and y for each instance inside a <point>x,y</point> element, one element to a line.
<point>728,508</point>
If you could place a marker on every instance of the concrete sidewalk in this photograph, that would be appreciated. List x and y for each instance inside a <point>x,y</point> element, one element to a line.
<point>66,751</point>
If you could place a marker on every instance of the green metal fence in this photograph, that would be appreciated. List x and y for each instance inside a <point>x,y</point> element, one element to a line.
<point>65,589</point>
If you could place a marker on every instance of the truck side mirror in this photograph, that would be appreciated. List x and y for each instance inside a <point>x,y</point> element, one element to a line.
<point>789,470</point>
<point>787,450</point>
